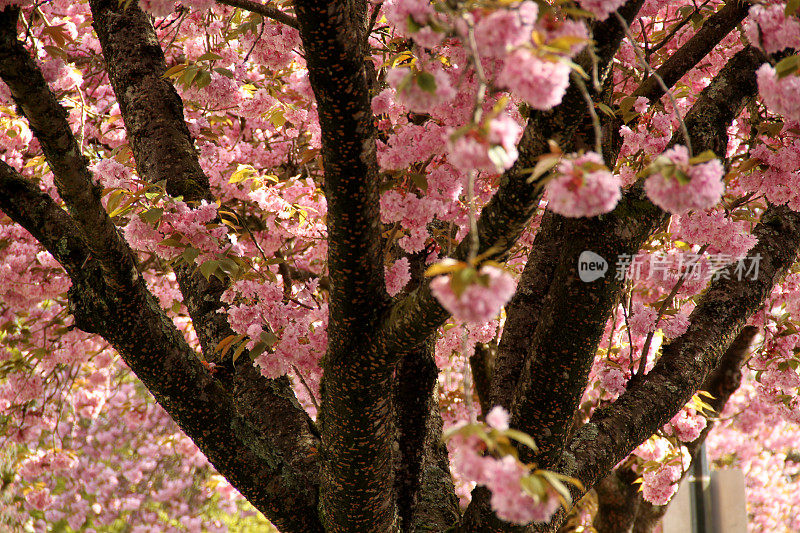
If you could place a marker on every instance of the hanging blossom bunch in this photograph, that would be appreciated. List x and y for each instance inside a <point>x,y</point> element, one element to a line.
<point>583,187</point>
<point>469,294</point>
<point>483,454</point>
<point>679,184</point>
<point>781,93</point>
<point>773,29</point>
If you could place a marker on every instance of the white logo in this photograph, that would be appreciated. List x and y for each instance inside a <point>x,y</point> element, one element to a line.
<point>591,266</point>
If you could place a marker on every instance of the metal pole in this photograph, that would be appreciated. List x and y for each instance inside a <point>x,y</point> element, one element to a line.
<point>701,501</point>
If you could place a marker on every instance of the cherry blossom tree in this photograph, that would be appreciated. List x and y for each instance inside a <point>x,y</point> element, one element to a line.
<point>397,265</point>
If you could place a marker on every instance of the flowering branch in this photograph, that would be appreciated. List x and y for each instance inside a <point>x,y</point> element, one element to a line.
<point>48,120</point>
<point>544,401</point>
<point>651,401</point>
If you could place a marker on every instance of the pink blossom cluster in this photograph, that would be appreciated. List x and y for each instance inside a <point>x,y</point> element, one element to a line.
<point>601,8</point>
<point>457,340</point>
<point>413,212</point>
<point>502,476</point>
<point>768,27</point>
<point>650,137</point>
<point>492,151</point>
<point>158,8</point>
<point>777,176</point>
<point>780,94</point>
<point>274,46</point>
<point>505,29</point>
<point>397,276</point>
<point>112,174</point>
<point>255,309</point>
<point>686,425</point>
<point>411,143</point>
<point>583,187</point>
<point>723,234</point>
<point>481,300</point>
<point>541,82</point>
<point>397,12</point>
<point>659,485</point>
<point>412,88</point>
<point>703,190</point>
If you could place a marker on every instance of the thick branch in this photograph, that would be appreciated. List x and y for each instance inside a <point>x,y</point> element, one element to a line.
<point>524,310</point>
<point>162,146</point>
<point>714,29</point>
<point>266,11</point>
<point>652,400</point>
<point>558,365</point>
<point>558,361</point>
<point>426,496</point>
<point>164,150</point>
<point>507,214</point>
<point>357,492</point>
<point>38,213</point>
<point>48,121</point>
<point>149,104</point>
<point>620,501</point>
<point>572,319</point>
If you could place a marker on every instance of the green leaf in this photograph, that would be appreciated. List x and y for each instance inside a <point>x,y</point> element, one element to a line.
<point>560,488</point>
<point>703,157</point>
<point>522,438</point>
<point>445,266</point>
<point>152,215</point>
<point>242,173</point>
<point>239,351</point>
<point>426,82</point>
<point>605,109</point>
<point>229,266</point>
<point>208,268</point>
<point>174,71</point>
<point>189,255</point>
<point>534,485</point>
<point>461,279</point>
<point>791,7</point>
<point>114,199</point>
<point>277,118</point>
<point>188,75</point>
<point>543,166</point>
<point>225,72</point>
<point>787,66</point>
<point>682,177</point>
<point>209,56</point>
<point>258,348</point>
<point>226,343</point>
<point>203,79</point>
<point>419,180</point>
<point>171,241</point>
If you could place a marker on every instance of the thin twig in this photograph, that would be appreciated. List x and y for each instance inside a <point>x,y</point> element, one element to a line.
<point>659,79</point>
<point>598,130</point>
<point>480,95</point>
<point>664,305</point>
<point>308,389</point>
<point>269,12</point>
